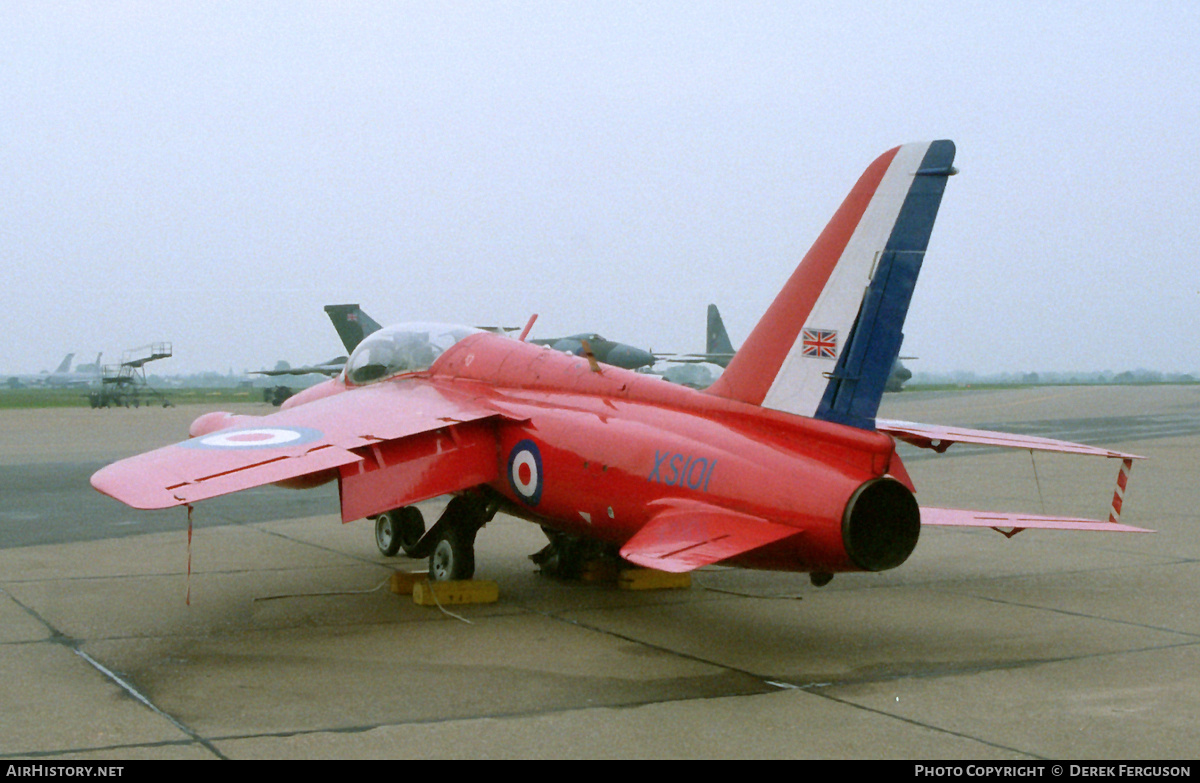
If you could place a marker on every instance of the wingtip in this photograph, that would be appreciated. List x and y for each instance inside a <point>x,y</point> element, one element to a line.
<point>113,481</point>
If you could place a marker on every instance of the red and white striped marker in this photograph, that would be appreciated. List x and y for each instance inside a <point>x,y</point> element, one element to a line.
<point>1114,516</point>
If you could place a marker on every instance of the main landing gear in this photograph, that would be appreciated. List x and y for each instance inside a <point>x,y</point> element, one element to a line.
<point>449,544</point>
<point>567,556</point>
<point>400,528</point>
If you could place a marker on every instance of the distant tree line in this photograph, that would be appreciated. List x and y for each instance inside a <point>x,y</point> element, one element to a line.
<point>1139,376</point>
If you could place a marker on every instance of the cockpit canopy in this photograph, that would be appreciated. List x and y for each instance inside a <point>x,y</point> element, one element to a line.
<point>402,348</point>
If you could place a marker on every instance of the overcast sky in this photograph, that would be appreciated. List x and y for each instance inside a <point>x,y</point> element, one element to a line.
<point>213,173</point>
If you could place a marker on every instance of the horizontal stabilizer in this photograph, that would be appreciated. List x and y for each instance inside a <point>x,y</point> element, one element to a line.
<point>1000,520</point>
<point>939,438</point>
<point>686,535</point>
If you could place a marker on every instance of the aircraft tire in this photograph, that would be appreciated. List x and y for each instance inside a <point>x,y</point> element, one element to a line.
<point>411,528</point>
<point>453,557</point>
<point>387,533</point>
<point>562,558</point>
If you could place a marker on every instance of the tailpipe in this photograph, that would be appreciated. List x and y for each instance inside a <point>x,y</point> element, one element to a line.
<point>881,525</point>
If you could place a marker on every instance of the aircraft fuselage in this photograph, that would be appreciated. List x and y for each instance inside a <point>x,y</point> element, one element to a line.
<point>598,454</point>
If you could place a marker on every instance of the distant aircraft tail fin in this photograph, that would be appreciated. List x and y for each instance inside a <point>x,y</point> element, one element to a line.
<point>718,346</point>
<point>826,345</point>
<point>65,366</point>
<point>352,324</point>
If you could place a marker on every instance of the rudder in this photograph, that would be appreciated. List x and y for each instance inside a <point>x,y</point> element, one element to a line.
<point>827,343</point>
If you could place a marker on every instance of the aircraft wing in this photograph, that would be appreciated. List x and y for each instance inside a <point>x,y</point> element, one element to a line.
<point>686,535</point>
<point>360,435</point>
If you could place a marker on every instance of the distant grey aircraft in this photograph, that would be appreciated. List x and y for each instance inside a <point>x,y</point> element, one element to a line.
<point>719,350</point>
<point>330,368</point>
<point>353,325</point>
<point>617,354</point>
<point>899,375</point>
<point>697,376</point>
<point>62,377</point>
<point>64,367</point>
<point>690,370</point>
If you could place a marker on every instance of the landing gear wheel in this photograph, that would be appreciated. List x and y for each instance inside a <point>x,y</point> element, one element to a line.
<point>400,528</point>
<point>412,527</point>
<point>387,534</point>
<point>562,558</point>
<point>454,555</point>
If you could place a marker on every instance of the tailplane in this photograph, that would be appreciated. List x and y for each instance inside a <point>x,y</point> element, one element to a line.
<point>352,324</point>
<point>827,344</point>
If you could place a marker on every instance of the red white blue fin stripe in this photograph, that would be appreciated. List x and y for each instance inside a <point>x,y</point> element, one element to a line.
<point>800,352</point>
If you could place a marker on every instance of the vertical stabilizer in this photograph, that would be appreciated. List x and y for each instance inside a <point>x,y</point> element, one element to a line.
<point>718,347</point>
<point>827,344</point>
<point>65,365</point>
<point>352,324</point>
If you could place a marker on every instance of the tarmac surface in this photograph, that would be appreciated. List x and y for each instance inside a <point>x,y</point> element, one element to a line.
<point>1048,645</point>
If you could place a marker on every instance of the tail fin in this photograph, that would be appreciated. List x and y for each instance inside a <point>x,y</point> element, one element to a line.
<point>65,366</point>
<point>826,345</point>
<point>718,347</point>
<point>352,324</point>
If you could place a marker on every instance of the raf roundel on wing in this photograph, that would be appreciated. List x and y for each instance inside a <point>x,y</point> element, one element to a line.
<point>257,438</point>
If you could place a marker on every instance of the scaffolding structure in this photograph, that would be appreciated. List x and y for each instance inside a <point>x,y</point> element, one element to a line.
<point>124,385</point>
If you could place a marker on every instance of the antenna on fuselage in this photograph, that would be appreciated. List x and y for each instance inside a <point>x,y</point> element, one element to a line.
<point>528,326</point>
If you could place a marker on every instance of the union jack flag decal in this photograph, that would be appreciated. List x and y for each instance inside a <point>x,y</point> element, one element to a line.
<point>819,343</point>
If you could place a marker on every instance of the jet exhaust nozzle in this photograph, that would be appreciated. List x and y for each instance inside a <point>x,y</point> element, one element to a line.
<point>881,525</point>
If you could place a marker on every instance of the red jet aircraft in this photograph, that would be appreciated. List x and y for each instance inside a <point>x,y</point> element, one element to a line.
<point>780,465</point>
